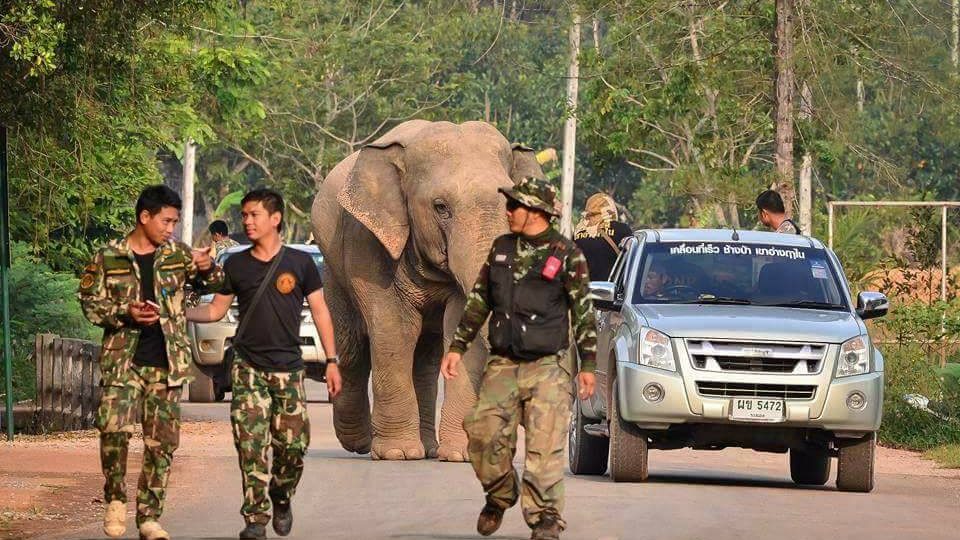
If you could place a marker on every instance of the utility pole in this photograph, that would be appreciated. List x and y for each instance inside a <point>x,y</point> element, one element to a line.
<point>189,172</point>
<point>570,130</point>
<point>783,58</point>
<point>806,167</point>
<point>955,53</point>
<point>5,280</point>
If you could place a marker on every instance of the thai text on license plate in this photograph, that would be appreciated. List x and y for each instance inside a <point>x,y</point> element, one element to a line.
<point>757,410</point>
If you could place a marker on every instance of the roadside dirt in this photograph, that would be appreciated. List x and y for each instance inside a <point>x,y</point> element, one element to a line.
<point>52,484</point>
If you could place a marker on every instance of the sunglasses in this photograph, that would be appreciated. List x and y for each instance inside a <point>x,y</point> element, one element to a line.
<point>513,204</point>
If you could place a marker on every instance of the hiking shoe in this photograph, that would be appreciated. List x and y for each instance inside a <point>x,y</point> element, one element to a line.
<point>115,519</point>
<point>490,519</point>
<point>282,518</point>
<point>254,531</point>
<point>151,530</point>
<point>547,529</point>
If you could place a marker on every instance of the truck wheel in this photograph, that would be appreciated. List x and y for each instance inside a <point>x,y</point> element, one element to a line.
<point>201,388</point>
<point>810,466</point>
<point>628,447</point>
<point>855,466</point>
<point>587,454</point>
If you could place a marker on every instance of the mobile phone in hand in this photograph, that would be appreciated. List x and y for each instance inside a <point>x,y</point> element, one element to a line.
<point>153,305</point>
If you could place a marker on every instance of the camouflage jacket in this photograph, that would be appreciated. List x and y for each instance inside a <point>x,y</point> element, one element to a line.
<point>576,282</point>
<point>223,245</point>
<point>112,281</point>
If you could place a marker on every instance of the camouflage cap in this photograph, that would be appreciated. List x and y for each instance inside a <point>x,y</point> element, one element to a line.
<point>535,193</point>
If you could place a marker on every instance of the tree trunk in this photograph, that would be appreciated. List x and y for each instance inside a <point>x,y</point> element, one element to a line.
<point>570,129</point>
<point>784,96</point>
<point>189,170</point>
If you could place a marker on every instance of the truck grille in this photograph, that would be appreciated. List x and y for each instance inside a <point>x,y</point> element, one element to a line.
<point>748,390</point>
<point>743,356</point>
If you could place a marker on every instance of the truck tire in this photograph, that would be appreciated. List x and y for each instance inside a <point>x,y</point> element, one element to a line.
<point>810,466</point>
<point>586,454</point>
<point>855,465</point>
<point>628,447</point>
<point>201,388</point>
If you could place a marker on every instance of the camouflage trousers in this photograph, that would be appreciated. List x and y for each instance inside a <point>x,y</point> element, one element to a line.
<point>144,397</point>
<point>269,410</point>
<point>536,395</point>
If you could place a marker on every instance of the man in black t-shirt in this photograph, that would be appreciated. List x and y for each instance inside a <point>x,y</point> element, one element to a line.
<point>599,234</point>
<point>269,408</point>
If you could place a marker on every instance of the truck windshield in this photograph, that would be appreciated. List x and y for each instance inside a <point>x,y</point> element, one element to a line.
<point>737,274</point>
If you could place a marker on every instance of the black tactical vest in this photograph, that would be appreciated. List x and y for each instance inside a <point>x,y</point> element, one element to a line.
<point>529,317</point>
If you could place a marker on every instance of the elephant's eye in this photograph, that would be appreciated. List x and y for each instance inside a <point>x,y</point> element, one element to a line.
<point>443,210</point>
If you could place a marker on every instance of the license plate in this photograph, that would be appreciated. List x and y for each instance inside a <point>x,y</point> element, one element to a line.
<point>757,410</point>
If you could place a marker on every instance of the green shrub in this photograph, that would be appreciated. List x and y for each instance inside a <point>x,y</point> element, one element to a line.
<point>41,300</point>
<point>910,370</point>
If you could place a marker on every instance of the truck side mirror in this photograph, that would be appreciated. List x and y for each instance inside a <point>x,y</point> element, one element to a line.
<point>604,295</point>
<point>871,305</point>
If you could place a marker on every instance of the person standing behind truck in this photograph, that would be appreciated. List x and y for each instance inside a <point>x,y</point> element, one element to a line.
<point>772,213</point>
<point>598,235</point>
<point>220,236</point>
<point>134,290</point>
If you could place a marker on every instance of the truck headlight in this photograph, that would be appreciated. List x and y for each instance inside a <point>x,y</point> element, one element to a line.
<point>232,316</point>
<point>854,358</point>
<point>655,350</point>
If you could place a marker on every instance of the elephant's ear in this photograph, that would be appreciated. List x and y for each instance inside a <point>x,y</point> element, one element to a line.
<point>373,194</point>
<point>524,163</point>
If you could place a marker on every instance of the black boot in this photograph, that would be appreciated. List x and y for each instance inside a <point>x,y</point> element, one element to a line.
<point>490,519</point>
<point>254,531</point>
<point>282,518</point>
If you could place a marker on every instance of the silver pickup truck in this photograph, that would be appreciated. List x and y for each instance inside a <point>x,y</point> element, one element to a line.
<point>711,339</point>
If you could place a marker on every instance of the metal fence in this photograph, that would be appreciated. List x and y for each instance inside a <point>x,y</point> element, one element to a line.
<point>68,383</point>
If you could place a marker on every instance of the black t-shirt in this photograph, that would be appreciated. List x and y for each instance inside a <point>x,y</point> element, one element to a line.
<point>151,347</point>
<point>599,253</point>
<point>271,339</point>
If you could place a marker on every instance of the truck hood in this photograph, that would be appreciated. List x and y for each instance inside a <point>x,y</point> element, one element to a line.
<point>751,322</point>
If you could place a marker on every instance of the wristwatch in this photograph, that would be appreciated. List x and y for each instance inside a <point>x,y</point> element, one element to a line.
<point>333,360</point>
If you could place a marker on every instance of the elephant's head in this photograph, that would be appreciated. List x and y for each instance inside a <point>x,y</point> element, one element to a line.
<point>433,194</point>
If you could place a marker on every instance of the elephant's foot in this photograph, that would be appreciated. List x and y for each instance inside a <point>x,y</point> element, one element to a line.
<point>453,449</point>
<point>396,449</point>
<point>357,445</point>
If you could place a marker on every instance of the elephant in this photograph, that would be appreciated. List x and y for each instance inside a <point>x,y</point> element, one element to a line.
<point>405,224</point>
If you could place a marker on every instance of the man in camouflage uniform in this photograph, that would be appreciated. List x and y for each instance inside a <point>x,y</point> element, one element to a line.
<point>269,406</point>
<point>220,236</point>
<point>145,356</point>
<point>534,279</point>
<point>772,213</point>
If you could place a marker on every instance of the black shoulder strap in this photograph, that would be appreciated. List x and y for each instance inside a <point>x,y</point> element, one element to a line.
<point>259,294</point>
<point>795,226</point>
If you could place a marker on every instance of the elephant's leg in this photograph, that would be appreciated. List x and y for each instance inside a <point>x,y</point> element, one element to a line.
<point>459,394</point>
<point>351,409</point>
<point>396,416</point>
<point>426,371</point>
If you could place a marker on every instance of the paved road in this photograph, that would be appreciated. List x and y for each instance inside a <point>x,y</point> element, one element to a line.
<point>704,495</point>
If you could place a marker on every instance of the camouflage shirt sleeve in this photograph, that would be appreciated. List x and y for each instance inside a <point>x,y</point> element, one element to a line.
<point>97,304</point>
<point>211,280</point>
<point>474,313</point>
<point>581,307</point>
